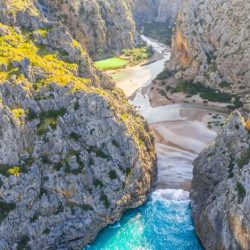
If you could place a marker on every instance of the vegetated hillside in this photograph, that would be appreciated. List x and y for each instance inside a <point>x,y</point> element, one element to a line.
<point>212,45</point>
<point>74,155</point>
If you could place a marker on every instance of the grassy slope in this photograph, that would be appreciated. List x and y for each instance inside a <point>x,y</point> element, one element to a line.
<point>129,56</point>
<point>111,63</point>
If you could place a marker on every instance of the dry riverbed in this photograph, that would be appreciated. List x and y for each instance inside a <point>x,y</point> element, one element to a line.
<point>183,126</point>
<point>160,94</point>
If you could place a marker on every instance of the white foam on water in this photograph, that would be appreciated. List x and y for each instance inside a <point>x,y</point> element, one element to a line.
<point>170,195</point>
<point>116,225</point>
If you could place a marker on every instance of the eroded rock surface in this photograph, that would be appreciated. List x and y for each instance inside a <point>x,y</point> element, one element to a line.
<point>100,26</point>
<point>74,155</point>
<point>221,189</point>
<point>156,10</point>
<point>211,45</point>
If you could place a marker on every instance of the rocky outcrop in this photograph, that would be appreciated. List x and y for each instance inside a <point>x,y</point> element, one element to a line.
<point>74,155</point>
<point>221,189</point>
<point>156,10</point>
<point>100,26</point>
<point>211,44</point>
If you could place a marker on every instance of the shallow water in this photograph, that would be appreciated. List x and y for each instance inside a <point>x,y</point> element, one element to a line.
<point>133,78</point>
<point>165,221</point>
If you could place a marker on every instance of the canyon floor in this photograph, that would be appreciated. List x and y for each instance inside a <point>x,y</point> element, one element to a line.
<point>182,130</point>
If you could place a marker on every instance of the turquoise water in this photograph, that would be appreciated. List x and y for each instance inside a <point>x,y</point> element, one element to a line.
<point>164,223</point>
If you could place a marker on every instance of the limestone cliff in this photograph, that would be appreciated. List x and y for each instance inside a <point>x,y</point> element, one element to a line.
<point>74,155</point>
<point>156,10</point>
<point>211,44</point>
<point>100,26</point>
<point>221,189</point>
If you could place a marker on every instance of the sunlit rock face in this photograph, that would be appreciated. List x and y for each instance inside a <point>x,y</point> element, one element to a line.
<point>221,189</point>
<point>100,26</point>
<point>74,155</point>
<point>156,10</point>
<point>212,45</point>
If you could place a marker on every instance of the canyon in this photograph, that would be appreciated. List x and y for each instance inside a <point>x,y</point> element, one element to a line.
<point>75,154</point>
<point>211,46</point>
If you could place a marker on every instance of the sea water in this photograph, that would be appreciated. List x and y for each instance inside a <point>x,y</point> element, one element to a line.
<point>163,223</point>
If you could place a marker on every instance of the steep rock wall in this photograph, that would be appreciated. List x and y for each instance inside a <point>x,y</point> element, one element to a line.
<point>221,189</point>
<point>74,155</point>
<point>156,10</point>
<point>100,26</point>
<point>211,44</point>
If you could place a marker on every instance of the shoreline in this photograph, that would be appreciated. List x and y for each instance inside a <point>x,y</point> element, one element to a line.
<point>160,94</point>
<point>182,127</point>
<point>154,58</point>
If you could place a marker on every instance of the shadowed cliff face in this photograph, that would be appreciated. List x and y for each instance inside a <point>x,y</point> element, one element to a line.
<point>221,189</point>
<point>100,26</point>
<point>211,45</point>
<point>215,35</point>
<point>156,10</point>
<point>74,155</point>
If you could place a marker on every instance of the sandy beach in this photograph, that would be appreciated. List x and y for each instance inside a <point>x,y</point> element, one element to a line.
<point>182,127</point>
<point>160,96</point>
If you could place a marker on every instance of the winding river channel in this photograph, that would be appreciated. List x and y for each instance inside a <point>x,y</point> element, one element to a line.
<point>181,133</point>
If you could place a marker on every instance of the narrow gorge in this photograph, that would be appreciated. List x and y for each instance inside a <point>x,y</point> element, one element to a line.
<point>124,124</point>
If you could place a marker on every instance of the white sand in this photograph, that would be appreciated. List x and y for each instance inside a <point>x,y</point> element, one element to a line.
<point>181,130</point>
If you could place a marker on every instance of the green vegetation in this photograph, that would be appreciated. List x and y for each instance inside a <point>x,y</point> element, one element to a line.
<point>5,209</point>
<point>74,136</point>
<point>29,161</point>
<point>98,152</point>
<point>208,93</point>
<point>22,245</point>
<point>230,169</point>
<point>76,171</point>
<point>128,57</point>
<point>104,199</point>
<point>162,32</point>
<point>18,112</point>
<point>42,32</point>
<point>46,231</point>
<point>128,171</point>
<point>34,218</point>
<point>241,192</point>
<point>86,207</point>
<point>66,164</point>
<point>43,191</point>
<point>115,143</point>
<point>111,63</point>
<point>164,75</point>
<point>244,158</point>
<point>225,84</point>
<point>137,55</point>
<point>98,183</point>
<point>7,170</point>
<point>49,118</point>
<point>16,47</point>
<point>113,175</point>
